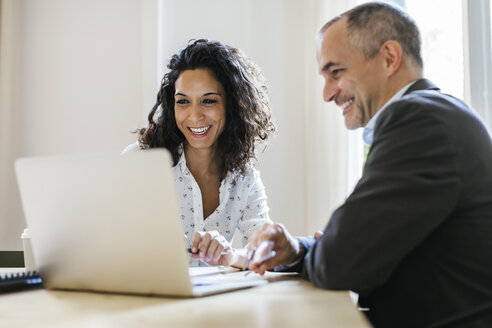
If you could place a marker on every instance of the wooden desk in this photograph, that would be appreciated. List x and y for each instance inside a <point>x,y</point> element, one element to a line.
<point>286,303</point>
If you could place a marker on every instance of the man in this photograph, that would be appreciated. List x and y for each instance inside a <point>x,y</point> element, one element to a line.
<point>414,238</point>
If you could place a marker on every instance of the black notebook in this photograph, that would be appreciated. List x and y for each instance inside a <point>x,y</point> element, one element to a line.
<point>10,282</point>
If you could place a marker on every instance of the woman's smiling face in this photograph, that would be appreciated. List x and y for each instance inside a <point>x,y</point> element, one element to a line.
<point>199,107</point>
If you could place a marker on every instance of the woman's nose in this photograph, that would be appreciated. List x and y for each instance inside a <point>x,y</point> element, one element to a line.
<point>196,112</point>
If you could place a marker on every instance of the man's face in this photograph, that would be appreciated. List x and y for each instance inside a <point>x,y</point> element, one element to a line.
<point>350,80</point>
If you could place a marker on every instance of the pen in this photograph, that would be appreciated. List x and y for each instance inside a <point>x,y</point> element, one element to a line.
<point>255,254</point>
<point>249,256</point>
<point>227,251</point>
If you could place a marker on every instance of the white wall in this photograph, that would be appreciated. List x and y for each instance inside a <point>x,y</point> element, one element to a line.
<point>81,83</point>
<point>90,70</point>
<point>11,221</point>
<point>81,71</point>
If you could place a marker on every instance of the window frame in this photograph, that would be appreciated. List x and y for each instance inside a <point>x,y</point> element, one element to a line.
<point>477,57</point>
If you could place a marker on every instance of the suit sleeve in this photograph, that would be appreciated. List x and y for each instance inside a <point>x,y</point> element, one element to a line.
<point>409,186</point>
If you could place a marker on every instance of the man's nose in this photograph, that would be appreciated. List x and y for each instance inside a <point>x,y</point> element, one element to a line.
<point>330,90</point>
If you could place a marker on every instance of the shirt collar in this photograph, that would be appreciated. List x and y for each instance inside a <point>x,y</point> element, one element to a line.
<point>368,134</point>
<point>182,161</point>
<point>185,171</point>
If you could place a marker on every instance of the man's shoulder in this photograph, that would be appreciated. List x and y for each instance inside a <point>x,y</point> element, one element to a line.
<point>432,98</point>
<point>421,106</point>
<point>430,118</point>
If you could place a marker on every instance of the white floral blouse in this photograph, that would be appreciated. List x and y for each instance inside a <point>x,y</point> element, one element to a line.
<point>242,205</point>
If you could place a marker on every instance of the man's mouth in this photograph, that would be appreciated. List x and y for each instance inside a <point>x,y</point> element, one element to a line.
<point>346,104</point>
<point>200,130</point>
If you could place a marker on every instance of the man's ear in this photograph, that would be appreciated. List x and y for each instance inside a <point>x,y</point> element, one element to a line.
<point>392,52</point>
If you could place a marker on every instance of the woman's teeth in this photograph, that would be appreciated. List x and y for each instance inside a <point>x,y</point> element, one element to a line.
<point>200,130</point>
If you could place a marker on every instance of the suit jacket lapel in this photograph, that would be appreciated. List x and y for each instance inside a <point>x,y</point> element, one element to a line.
<point>422,84</point>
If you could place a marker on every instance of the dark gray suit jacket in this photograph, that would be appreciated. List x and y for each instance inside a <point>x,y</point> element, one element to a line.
<point>414,238</point>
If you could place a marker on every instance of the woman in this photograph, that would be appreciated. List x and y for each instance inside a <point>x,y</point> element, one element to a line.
<point>211,111</point>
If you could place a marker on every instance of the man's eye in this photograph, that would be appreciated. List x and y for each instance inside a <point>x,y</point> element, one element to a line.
<point>209,101</point>
<point>336,73</point>
<point>182,101</point>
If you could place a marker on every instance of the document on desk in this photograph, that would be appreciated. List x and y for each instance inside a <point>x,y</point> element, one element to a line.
<point>228,276</point>
<point>210,270</point>
<point>220,275</point>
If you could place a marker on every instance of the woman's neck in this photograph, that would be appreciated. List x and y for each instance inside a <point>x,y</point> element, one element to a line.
<point>201,162</point>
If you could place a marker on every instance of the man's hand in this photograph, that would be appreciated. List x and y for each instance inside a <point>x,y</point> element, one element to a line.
<point>272,237</point>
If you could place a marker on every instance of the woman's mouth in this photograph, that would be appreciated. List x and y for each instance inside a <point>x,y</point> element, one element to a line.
<point>200,130</point>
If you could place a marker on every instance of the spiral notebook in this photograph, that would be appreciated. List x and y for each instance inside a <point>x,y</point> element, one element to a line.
<point>111,223</point>
<point>19,280</point>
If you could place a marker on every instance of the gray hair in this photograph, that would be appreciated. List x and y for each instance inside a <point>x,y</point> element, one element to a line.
<point>371,24</point>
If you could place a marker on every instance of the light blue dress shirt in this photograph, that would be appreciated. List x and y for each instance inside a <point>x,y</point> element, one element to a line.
<point>368,134</point>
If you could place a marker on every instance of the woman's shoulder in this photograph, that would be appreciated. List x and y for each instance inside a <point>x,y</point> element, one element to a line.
<point>250,174</point>
<point>251,171</point>
<point>132,148</point>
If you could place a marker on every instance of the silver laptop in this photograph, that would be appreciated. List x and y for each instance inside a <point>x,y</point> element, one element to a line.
<point>111,223</point>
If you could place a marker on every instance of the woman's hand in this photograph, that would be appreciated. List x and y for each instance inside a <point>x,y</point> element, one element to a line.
<point>210,245</point>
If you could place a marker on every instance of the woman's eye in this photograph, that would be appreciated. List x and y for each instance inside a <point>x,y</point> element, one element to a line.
<point>182,101</point>
<point>209,101</point>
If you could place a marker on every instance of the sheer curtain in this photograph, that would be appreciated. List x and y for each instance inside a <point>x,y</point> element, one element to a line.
<point>11,220</point>
<point>478,57</point>
<point>334,155</point>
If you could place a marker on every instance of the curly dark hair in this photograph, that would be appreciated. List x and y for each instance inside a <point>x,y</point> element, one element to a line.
<point>248,117</point>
